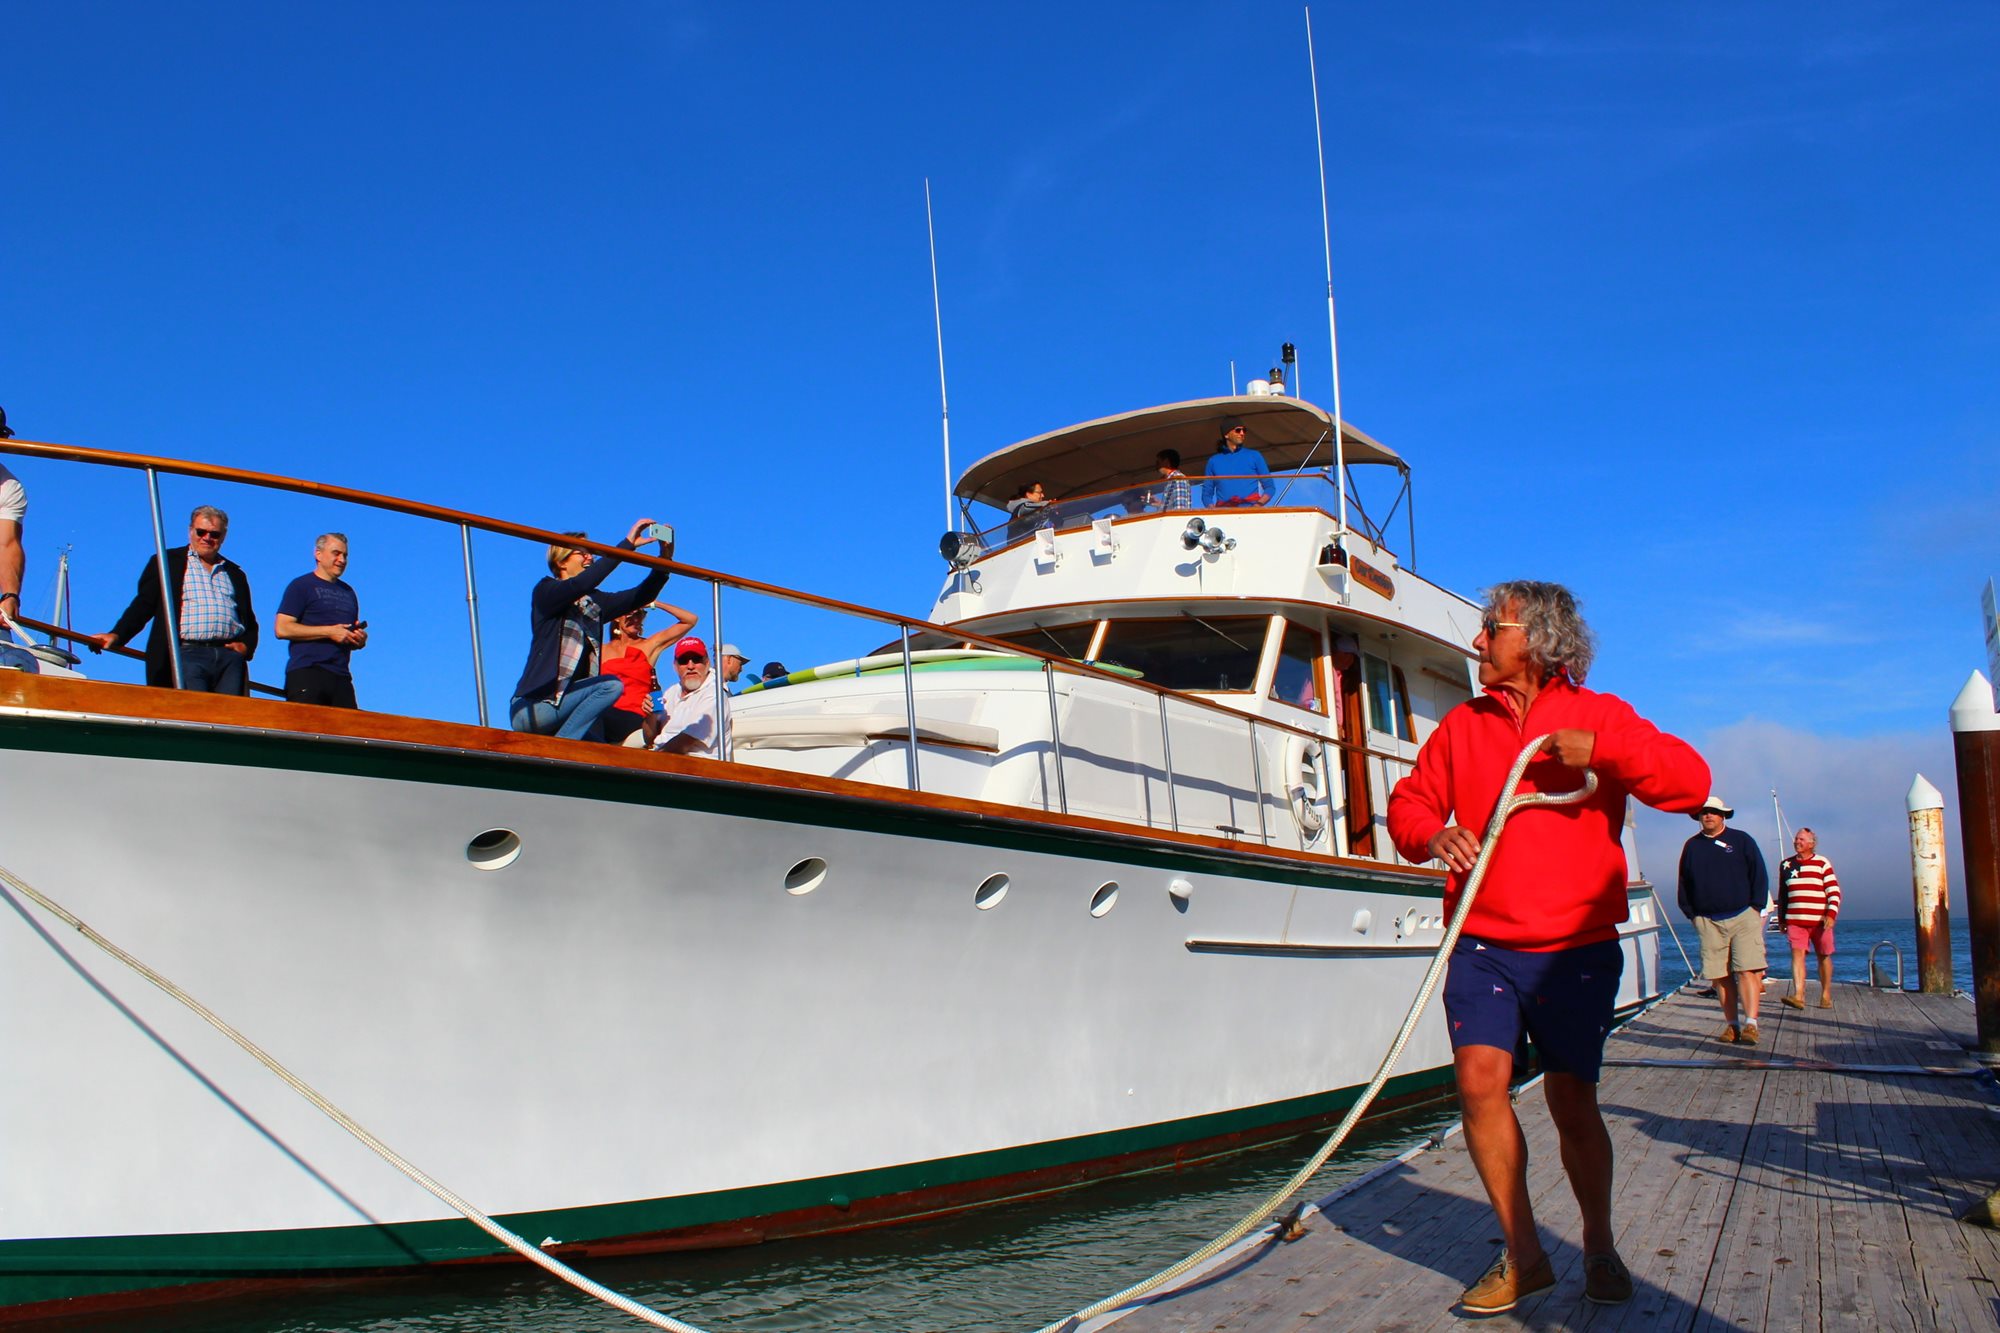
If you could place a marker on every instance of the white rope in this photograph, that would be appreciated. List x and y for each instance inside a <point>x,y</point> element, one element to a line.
<point>341,1118</point>
<point>1502,810</point>
<point>1668,922</point>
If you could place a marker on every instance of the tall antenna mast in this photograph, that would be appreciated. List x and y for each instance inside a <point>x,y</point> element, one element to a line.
<point>1326,237</point>
<point>944,401</point>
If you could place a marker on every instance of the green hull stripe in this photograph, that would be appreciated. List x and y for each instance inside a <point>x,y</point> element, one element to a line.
<point>55,1269</point>
<point>462,768</point>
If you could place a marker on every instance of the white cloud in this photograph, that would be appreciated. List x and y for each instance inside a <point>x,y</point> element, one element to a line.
<point>1850,790</point>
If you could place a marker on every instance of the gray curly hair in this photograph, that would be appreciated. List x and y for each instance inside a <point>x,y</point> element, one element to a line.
<point>1557,636</point>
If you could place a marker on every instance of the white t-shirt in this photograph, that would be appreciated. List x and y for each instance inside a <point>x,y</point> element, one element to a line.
<point>13,497</point>
<point>692,715</point>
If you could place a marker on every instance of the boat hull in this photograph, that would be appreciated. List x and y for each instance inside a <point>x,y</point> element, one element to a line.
<point>696,1008</point>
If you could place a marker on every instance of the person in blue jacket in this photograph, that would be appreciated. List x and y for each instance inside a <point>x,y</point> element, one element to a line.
<point>562,691</point>
<point>1236,476</point>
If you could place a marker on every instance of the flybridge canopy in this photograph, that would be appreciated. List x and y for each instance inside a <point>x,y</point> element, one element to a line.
<point>1117,451</point>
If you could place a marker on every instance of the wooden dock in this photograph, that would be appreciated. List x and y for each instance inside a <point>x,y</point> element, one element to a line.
<point>1812,1182</point>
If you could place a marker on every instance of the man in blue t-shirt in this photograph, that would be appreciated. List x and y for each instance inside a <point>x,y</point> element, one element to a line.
<point>321,617</point>
<point>1236,475</point>
<point>1724,887</point>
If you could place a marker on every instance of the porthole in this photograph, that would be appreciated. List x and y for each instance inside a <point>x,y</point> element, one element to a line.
<point>1364,920</point>
<point>1105,897</point>
<point>1181,892</point>
<point>804,877</point>
<point>991,890</point>
<point>495,849</point>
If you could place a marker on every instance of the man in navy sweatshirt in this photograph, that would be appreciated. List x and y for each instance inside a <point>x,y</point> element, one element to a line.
<point>1724,887</point>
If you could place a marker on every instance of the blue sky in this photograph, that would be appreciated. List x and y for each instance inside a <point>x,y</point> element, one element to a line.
<point>1695,308</point>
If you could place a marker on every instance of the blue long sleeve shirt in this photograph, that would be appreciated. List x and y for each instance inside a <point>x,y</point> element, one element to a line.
<point>1235,476</point>
<point>1723,875</point>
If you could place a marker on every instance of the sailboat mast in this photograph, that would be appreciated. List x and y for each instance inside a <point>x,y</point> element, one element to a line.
<point>1326,238</point>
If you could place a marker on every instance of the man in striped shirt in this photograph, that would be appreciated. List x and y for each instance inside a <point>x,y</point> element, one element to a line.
<point>1809,898</point>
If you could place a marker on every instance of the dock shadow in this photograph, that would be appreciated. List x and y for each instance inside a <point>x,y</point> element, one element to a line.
<point>1424,1228</point>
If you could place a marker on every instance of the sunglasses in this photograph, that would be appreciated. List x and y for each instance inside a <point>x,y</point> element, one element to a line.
<point>1491,627</point>
<point>210,534</point>
<point>691,657</point>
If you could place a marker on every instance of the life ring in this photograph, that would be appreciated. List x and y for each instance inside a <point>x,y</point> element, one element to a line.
<point>1305,786</point>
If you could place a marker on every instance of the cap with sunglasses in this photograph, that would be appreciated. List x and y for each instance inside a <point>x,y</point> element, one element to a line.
<point>690,647</point>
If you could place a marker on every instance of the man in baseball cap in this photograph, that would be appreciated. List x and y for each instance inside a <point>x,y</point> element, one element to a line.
<point>690,703</point>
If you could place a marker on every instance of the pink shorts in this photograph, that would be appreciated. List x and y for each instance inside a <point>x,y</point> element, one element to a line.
<point>1818,939</point>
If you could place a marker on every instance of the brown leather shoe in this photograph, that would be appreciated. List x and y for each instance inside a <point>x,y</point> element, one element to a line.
<point>1727,1034</point>
<point>1606,1279</point>
<point>1826,1003</point>
<point>1506,1286</point>
<point>1747,1034</point>
<point>1791,1002</point>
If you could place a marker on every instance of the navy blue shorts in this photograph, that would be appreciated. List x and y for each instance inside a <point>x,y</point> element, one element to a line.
<point>1561,1000</point>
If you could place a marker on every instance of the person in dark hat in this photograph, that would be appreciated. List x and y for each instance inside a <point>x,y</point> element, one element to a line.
<point>1724,887</point>
<point>773,671</point>
<point>1237,476</point>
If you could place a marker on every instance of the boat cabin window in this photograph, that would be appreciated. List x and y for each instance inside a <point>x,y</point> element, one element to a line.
<point>1071,641</point>
<point>1388,698</point>
<point>1296,681</point>
<point>1210,654</point>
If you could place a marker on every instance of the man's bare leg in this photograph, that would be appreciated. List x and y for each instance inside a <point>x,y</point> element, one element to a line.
<point>1586,1154</point>
<point>1825,979</point>
<point>1799,973</point>
<point>1499,1149</point>
<point>1750,985</point>
<point>1725,993</point>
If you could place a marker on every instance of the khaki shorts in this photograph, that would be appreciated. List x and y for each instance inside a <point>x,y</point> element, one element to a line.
<point>1733,944</point>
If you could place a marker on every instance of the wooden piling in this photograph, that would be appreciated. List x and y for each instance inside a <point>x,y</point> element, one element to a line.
<point>1975,727</point>
<point>1932,888</point>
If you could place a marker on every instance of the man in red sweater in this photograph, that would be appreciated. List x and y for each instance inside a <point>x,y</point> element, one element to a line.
<point>1539,959</point>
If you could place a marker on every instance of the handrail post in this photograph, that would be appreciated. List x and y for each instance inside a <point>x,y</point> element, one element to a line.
<point>910,709</point>
<point>1055,737</point>
<point>1326,796</point>
<point>1167,762</point>
<point>169,622</point>
<point>1257,776</point>
<point>472,614</point>
<point>715,672</point>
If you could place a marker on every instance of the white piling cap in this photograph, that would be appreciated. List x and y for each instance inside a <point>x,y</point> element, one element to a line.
<point>1923,796</point>
<point>1973,709</point>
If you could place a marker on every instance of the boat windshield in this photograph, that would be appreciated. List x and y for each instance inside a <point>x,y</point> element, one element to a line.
<point>1210,655</point>
<point>1311,489</point>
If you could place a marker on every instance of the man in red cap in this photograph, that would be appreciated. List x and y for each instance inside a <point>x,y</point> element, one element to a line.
<point>690,704</point>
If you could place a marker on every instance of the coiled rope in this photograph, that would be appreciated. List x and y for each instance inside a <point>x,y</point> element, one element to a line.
<point>1507,805</point>
<point>1502,811</point>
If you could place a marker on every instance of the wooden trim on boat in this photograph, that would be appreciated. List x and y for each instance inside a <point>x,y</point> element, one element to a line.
<point>87,700</point>
<point>1322,608</point>
<point>117,650</point>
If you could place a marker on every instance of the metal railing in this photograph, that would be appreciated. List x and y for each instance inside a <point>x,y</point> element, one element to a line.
<point>1176,786</point>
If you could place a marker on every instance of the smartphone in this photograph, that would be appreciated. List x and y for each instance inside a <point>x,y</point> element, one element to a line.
<point>663,533</point>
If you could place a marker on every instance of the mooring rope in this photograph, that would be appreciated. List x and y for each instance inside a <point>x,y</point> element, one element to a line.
<point>348,1123</point>
<point>1668,922</point>
<point>1503,809</point>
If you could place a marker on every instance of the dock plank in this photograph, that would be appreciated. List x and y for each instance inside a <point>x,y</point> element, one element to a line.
<point>1748,1194</point>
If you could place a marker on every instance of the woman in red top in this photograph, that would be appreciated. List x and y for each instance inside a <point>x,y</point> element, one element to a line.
<point>630,656</point>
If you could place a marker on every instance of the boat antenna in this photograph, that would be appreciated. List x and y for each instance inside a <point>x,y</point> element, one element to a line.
<point>1326,238</point>
<point>61,614</point>
<point>1232,377</point>
<point>944,400</point>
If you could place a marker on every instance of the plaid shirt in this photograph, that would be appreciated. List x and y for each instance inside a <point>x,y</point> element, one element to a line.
<point>208,603</point>
<point>1178,494</point>
<point>577,656</point>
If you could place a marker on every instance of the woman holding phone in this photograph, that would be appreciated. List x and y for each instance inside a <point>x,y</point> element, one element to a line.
<point>562,691</point>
